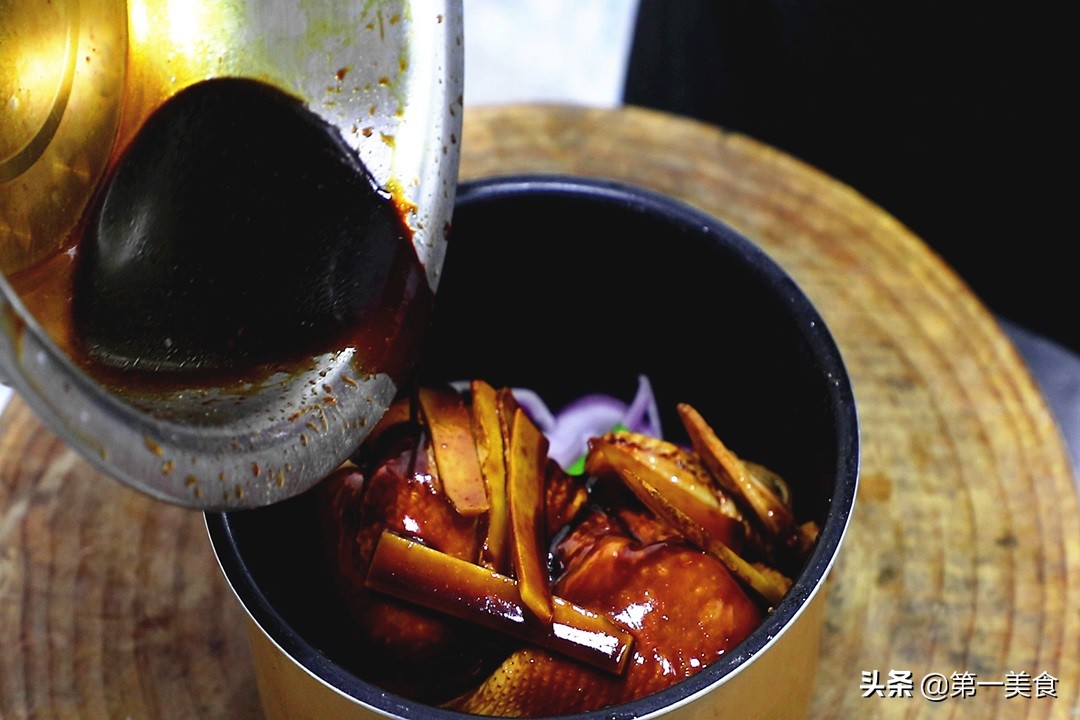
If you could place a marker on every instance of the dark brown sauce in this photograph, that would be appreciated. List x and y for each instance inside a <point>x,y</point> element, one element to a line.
<point>236,235</point>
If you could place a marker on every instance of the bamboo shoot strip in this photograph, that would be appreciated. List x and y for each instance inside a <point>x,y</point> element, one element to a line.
<point>413,572</point>
<point>452,442</point>
<point>526,460</point>
<point>733,475</point>
<point>492,454</point>
<point>769,584</point>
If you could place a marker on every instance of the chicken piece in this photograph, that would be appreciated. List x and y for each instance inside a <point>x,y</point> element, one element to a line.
<point>414,651</point>
<point>410,649</point>
<point>683,608</point>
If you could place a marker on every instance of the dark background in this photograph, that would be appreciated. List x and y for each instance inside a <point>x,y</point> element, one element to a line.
<point>957,118</point>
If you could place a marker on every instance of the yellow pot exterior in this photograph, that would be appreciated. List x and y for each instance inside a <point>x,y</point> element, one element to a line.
<point>775,685</point>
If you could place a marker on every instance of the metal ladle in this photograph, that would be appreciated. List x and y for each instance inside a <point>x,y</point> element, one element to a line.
<point>386,73</point>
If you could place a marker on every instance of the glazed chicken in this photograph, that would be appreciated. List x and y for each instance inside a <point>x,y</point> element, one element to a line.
<point>484,578</point>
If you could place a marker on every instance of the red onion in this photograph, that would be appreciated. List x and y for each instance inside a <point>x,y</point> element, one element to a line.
<point>568,431</point>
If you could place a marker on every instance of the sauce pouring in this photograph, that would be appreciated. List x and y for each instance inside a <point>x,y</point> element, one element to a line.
<point>246,277</point>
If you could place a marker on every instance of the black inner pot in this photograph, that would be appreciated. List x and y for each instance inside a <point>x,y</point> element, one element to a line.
<point>570,286</point>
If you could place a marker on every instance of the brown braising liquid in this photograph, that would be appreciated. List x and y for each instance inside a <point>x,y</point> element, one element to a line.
<point>236,234</point>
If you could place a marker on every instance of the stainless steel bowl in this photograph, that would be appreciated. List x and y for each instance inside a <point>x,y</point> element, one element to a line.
<point>387,74</point>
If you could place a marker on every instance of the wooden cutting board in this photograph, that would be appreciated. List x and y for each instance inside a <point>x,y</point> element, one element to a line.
<point>963,554</point>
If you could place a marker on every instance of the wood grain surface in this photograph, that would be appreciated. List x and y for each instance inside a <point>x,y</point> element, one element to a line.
<point>963,554</point>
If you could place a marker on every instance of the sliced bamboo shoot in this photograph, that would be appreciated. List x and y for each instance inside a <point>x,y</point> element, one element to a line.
<point>673,471</point>
<point>770,586</point>
<point>526,460</point>
<point>418,574</point>
<point>734,477</point>
<point>491,452</point>
<point>508,405</point>
<point>447,419</point>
